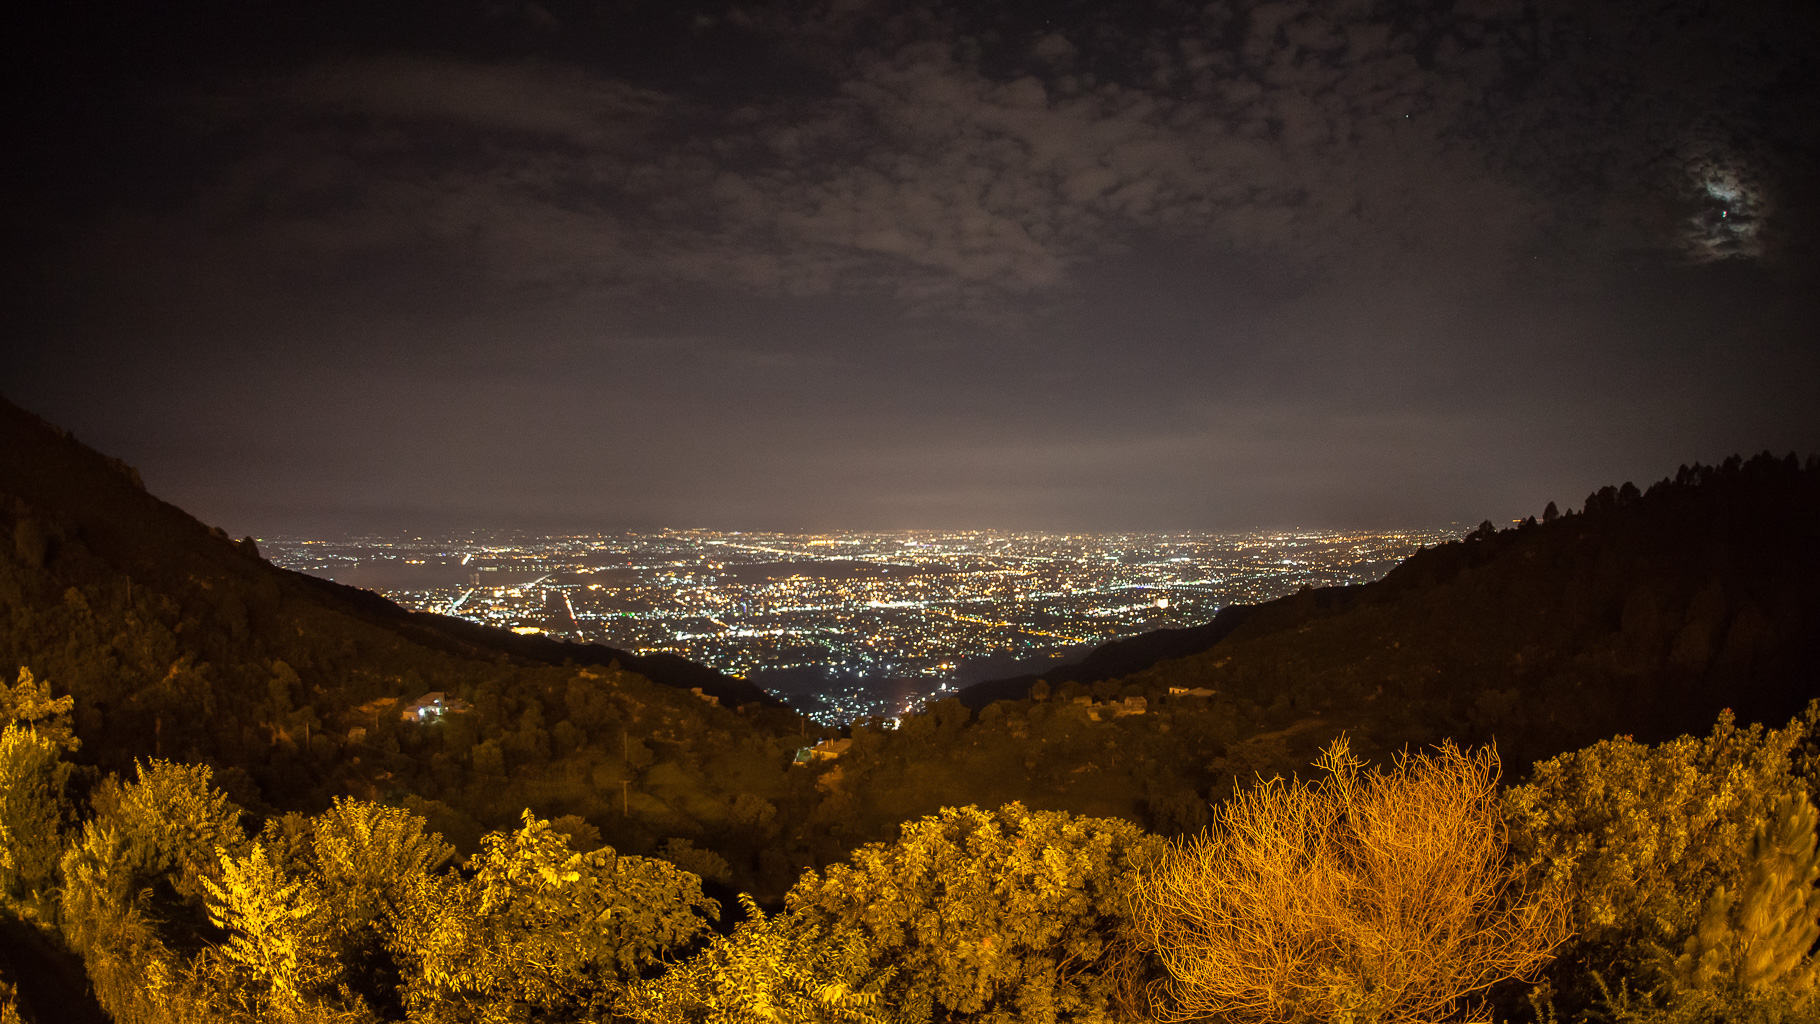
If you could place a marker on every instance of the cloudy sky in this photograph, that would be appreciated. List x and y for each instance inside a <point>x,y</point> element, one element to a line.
<point>895,263</point>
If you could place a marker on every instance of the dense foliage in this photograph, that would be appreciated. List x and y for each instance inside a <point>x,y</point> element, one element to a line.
<point>1375,895</point>
<point>1686,873</point>
<point>1685,870</point>
<point>182,912</point>
<point>1641,834</point>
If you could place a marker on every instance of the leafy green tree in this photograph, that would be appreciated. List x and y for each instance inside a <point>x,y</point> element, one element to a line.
<point>133,890</point>
<point>33,782</point>
<point>488,759</point>
<point>366,853</point>
<point>32,775</point>
<point>30,704</point>
<point>178,823</point>
<point>583,836</point>
<point>281,689</point>
<point>754,812</point>
<point>457,827</point>
<point>988,915</point>
<point>365,861</point>
<point>704,863</point>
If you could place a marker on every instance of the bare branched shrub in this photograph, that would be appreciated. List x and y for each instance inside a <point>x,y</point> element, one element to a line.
<point>1380,896</point>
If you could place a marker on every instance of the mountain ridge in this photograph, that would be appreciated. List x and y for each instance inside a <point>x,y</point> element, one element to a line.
<point>1113,659</point>
<point>111,512</point>
<point>1710,558</point>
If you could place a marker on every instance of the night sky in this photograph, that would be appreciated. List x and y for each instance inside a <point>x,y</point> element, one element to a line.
<point>319,267</point>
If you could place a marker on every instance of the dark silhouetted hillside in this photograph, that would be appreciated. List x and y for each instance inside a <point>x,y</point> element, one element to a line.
<point>76,496</point>
<point>1646,613</point>
<point>179,642</point>
<point>1114,658</point>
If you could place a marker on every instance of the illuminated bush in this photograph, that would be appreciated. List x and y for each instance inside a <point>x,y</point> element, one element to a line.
<point>1747,961</point>
<point>1368,896</point>
<point>1639,837</point>
<point>999,915</point>
<point>772,968</point>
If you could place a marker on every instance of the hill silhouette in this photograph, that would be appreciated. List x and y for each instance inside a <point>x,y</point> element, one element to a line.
<point>1645,614</point>
<point>1695,591</point>
<point>73,495</point>
<point>179,642</point>
<point>1113,659</point>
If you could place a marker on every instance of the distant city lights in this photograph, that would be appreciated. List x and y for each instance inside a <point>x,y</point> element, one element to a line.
<point>854,624</point>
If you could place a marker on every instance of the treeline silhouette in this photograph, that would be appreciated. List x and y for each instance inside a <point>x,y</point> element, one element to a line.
<point>1645,615</point>
<point>178,643</point>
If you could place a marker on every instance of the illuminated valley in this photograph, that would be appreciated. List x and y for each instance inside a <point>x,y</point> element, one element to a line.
<point>850,624</point>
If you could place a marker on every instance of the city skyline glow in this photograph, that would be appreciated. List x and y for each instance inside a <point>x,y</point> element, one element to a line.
<point>850,624</point>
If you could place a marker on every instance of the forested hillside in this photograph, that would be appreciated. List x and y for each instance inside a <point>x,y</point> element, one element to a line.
<point>1644,614</point>
<point>177,642</point>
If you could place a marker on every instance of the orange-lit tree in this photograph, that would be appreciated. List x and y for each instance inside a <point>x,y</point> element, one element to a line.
<point>1381,896</point>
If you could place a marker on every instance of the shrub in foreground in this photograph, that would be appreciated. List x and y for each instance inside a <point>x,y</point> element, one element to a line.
<point>1380,896</point>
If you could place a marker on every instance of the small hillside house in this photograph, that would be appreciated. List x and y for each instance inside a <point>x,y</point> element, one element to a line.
<point>431,707</point>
